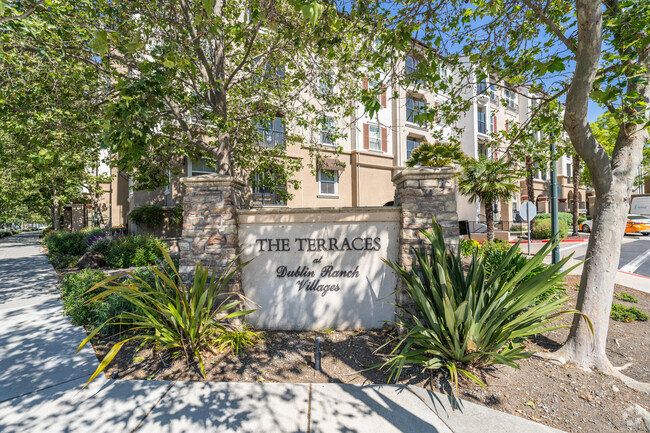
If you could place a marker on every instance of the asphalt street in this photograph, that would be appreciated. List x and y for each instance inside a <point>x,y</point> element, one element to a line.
<point>635,253</point>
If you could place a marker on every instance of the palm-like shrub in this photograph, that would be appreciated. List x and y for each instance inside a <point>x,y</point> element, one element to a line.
<point>171,315</point>
<point>488,181</point>
<point>471,319</point>
<point>436,155</point>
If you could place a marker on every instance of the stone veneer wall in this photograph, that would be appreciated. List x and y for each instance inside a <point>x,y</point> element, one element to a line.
<point>210,218</point>
<point>210,234</point>
<point>423,192</point>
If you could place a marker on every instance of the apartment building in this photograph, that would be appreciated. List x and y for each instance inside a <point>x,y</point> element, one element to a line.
<point>374,149</point>
<point>496,107</point>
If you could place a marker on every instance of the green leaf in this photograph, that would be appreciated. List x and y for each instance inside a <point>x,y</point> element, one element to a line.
<point>312,12</point>
<point>208,5</point>
<point>99,43</point>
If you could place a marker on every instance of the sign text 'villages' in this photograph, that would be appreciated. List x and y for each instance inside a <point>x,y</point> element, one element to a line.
<point>308,279</point>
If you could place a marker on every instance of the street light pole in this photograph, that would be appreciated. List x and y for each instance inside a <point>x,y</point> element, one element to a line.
<point>555,224</point>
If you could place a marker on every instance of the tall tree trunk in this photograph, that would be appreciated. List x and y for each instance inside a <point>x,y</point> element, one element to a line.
<point>576,184</point>
<point>56,220</point>
<point>613,180</point>
<point>489,220</point>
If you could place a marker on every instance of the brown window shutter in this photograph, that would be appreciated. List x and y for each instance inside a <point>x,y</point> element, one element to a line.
<point>384,140</point>
<point>383,96</point>
<point>437,115</point>
<point>366,136</point>
<point>365,84</point>
<point>494,123</point>
<point>506,126</point>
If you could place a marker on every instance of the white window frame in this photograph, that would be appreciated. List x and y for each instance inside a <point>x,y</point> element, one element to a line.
<point>329,126</point>
<point>329,181</point>
<point>326,83</point>
<point>484,111</point>
<point>410,151</point>
<point>168,187</point>
<point>191,171</point>
<point>417,106</point>
<point>371,139</point>
<point>511,99</point>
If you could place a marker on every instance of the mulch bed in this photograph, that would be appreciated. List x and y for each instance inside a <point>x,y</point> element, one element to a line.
<point>561,396</point>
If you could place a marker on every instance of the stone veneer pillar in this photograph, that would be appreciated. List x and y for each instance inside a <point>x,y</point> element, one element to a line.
<point>423,192</point>
<point>210,234</point>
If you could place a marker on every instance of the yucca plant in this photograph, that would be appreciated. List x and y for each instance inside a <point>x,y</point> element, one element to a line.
<point>468,319</point>
<point>184,319</point>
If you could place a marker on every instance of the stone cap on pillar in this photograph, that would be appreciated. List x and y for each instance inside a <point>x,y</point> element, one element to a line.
<point>419,173</point>
<point>213,179</point>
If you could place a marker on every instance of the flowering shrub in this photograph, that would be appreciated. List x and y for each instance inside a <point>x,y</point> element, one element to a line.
<point>468,246</point>
<point>101,243</point>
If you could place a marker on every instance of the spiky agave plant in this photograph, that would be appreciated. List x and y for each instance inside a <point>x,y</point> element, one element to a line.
<point>171,315</point>
<point>468,319</point>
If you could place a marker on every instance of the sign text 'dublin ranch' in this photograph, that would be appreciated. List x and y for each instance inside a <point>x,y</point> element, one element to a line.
<point>314,280</point>
<point>319,275</point>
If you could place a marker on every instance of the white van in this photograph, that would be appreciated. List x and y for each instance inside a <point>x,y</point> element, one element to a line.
<point>640,205</point>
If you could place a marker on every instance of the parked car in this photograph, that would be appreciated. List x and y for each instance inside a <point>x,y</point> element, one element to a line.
<point>635,224</point>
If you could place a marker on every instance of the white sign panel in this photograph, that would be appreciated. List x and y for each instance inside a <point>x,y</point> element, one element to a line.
<point>527,211</point>
<point>319,275</point>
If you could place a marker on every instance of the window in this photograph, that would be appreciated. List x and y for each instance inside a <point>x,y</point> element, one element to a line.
<point>483,150</point>
<point>493,124</point>
<point>515,212</point>
<point>481,87</point>
<point>327,131</point>
<point>482,121</point>
<point>326,84</point>
<point>411,145</point>
<point>273,133</point>
<point>414,107</point>
<point>269,194</point>
<point>494,95</point>
<point>168,187</point>
<point>130,186</point>
<point>328,182</point>
<point>569,172</point>
<point>200,167</point>
<point>374,137</point>
<point>511,99</point>
<point>411,65</point>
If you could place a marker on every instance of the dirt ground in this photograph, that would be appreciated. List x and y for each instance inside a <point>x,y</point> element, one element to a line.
<point>561,396</point>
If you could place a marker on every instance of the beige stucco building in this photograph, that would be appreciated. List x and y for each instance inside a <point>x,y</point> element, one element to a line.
<point>372,151</point>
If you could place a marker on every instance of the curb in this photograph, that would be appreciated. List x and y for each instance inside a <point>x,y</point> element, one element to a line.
<point>543,241</point>
<point>634,275</point>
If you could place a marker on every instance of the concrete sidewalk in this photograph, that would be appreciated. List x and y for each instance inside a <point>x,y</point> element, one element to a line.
<point>41,382</point>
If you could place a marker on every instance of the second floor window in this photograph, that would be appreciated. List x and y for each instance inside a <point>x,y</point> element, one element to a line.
<point>374,137</point>
<point>273,133</point>
<point>414,107</point>
<point>328,182</point>
<point>482,121</point>
<point>411,145</point>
